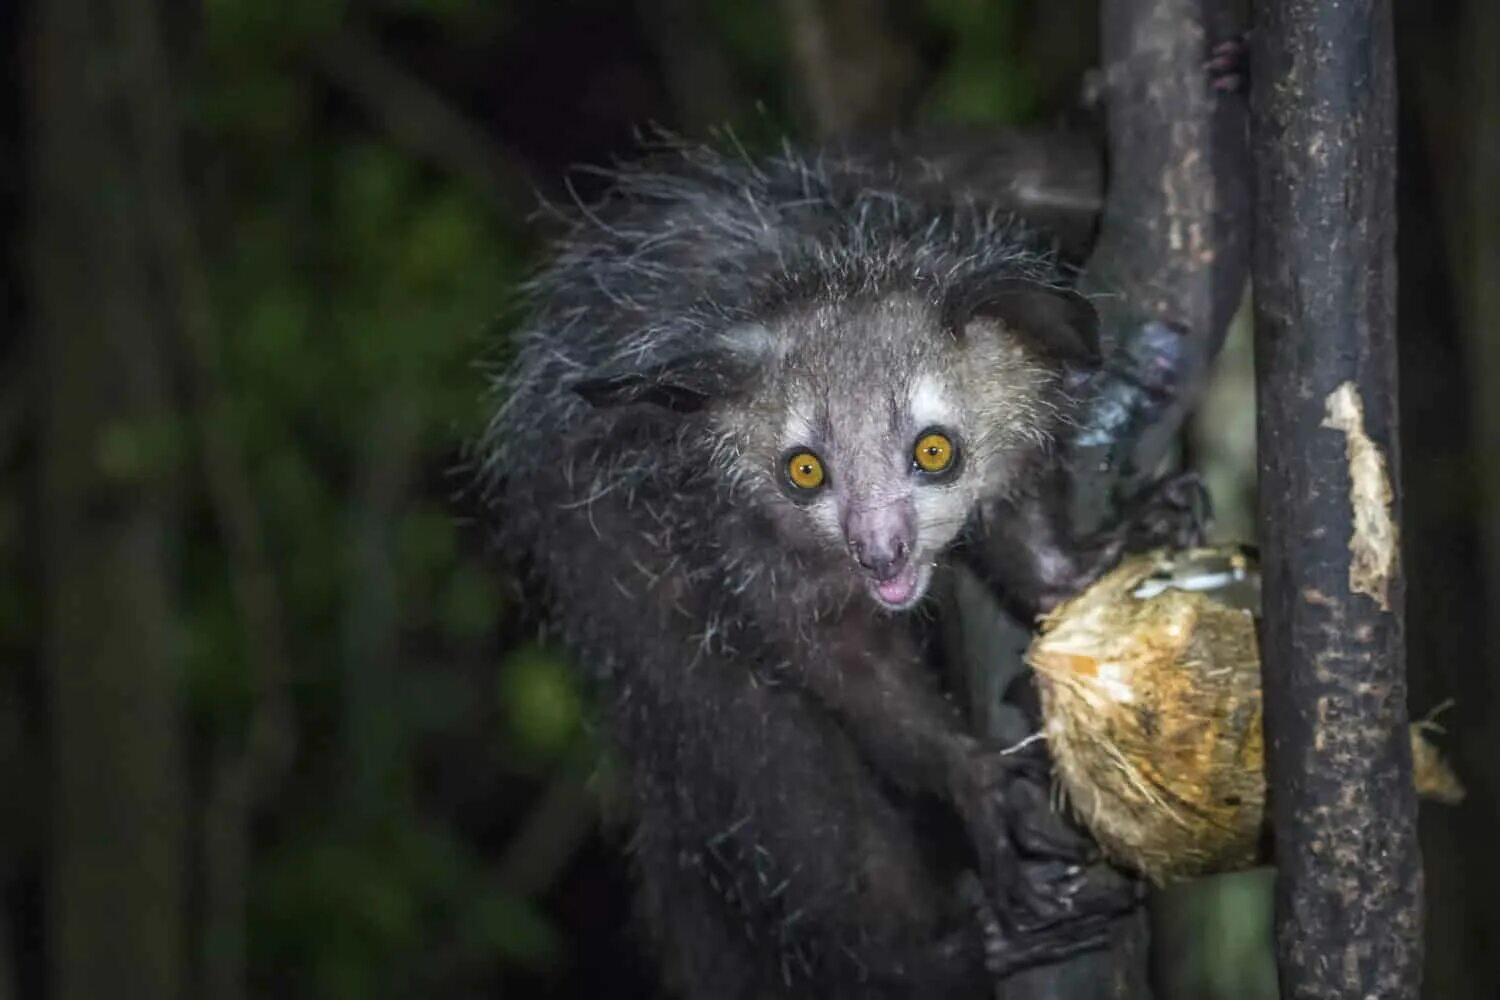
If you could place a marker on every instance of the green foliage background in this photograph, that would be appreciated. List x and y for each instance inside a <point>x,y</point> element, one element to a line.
<point>360,287</point>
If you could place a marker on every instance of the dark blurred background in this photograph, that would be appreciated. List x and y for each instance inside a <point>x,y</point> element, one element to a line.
<point>272,720</point>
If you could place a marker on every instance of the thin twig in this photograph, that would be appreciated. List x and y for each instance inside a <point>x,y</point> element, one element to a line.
<point>854,70</point>
<point>555,827</point>
<point>268,746</point>
<point>419,118</point>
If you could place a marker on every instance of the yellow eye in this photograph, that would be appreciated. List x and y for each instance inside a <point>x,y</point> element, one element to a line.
<point>933,452</point>
<point>805,470</point>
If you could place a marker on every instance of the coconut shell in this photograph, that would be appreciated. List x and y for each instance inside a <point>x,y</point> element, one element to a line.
<point>1150,690</point>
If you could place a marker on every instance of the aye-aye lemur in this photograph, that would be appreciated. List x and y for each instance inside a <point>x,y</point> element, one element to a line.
<point>755,404</point>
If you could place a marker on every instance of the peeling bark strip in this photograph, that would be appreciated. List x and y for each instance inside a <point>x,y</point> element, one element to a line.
<point>1374,543</point>
<point>1338,758</point>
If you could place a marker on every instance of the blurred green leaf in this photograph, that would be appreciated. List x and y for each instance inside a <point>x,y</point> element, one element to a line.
<point>135,451</point>
<point>754,35</point>
<point>260,108</point>
<point>470,606</point>
<point>427,540</point>
<point>268,28</point>
<point>540,702</point>
<point>980,82</point>
<point>515,929</point>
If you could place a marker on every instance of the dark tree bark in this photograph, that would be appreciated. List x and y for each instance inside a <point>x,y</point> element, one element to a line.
<point>1174,243</point>
<point>1338,757</point>
<point>116,921</point>
<point>1168,268</point>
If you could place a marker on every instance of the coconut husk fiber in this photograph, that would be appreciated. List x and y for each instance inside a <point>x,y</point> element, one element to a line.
<point>1150,690</point>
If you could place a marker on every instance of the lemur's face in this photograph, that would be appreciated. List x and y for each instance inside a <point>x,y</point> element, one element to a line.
<point>876,433</point>
<point>872,430</point>
<point>884,477</point>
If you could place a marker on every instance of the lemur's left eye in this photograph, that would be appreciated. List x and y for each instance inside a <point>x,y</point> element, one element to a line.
<point>934,452</point>
<point>804,470</point>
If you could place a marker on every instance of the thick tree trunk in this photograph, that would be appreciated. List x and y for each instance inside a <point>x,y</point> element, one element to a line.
<point>115,921</point>
<point>1338,756</point>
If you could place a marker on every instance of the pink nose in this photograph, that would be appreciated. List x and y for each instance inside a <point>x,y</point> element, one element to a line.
<point>880,539</point>
<point>883,563</point>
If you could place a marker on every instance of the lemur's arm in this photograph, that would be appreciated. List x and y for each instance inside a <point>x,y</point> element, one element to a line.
<point>1036,905</point>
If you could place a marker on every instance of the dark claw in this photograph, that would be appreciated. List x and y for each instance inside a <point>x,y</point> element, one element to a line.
<point>1009,950</point>
<point>1039,867</point>
<point>1042,894</point>
<point>1045,895</point>
<point>1109,891</point>
<point>1230,83</point>
<point>1017,782</point>
<point>1040,831</point>
<point>1174,513</point>
<point>1006,955</point>
<point>1053,894</point>
<point>1228,65</point>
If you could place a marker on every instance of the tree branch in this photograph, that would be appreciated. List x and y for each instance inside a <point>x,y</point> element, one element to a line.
<point>419,118</point>
<point>853,70</point>
<point>1338,756</point>
<point>1167,272</point>
<point>1173,247</point>
<point>694,64</point>
<point>242,773</point>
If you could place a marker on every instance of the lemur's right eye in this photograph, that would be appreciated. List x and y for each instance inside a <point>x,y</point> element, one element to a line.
<point>933,452</point>
<point>804,470</point>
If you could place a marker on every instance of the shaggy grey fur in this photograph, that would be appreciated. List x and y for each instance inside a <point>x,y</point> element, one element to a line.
<point>806,801</point>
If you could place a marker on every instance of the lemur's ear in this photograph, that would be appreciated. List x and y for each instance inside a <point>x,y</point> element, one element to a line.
<point>681,386</point>
<point>1056,321</point>
<point>687,383</point>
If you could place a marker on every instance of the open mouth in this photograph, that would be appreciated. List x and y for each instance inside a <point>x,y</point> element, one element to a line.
<point>904,589</point>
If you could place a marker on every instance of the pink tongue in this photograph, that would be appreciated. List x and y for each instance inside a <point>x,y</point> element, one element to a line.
<point>897,589</point>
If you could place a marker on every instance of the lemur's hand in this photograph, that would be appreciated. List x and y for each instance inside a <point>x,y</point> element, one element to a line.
<point>1047,892</point>
<point>1173,512</point>
<point>1228,64</point>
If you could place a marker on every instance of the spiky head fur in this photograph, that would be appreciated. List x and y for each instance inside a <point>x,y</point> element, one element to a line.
<point>714,314</point>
